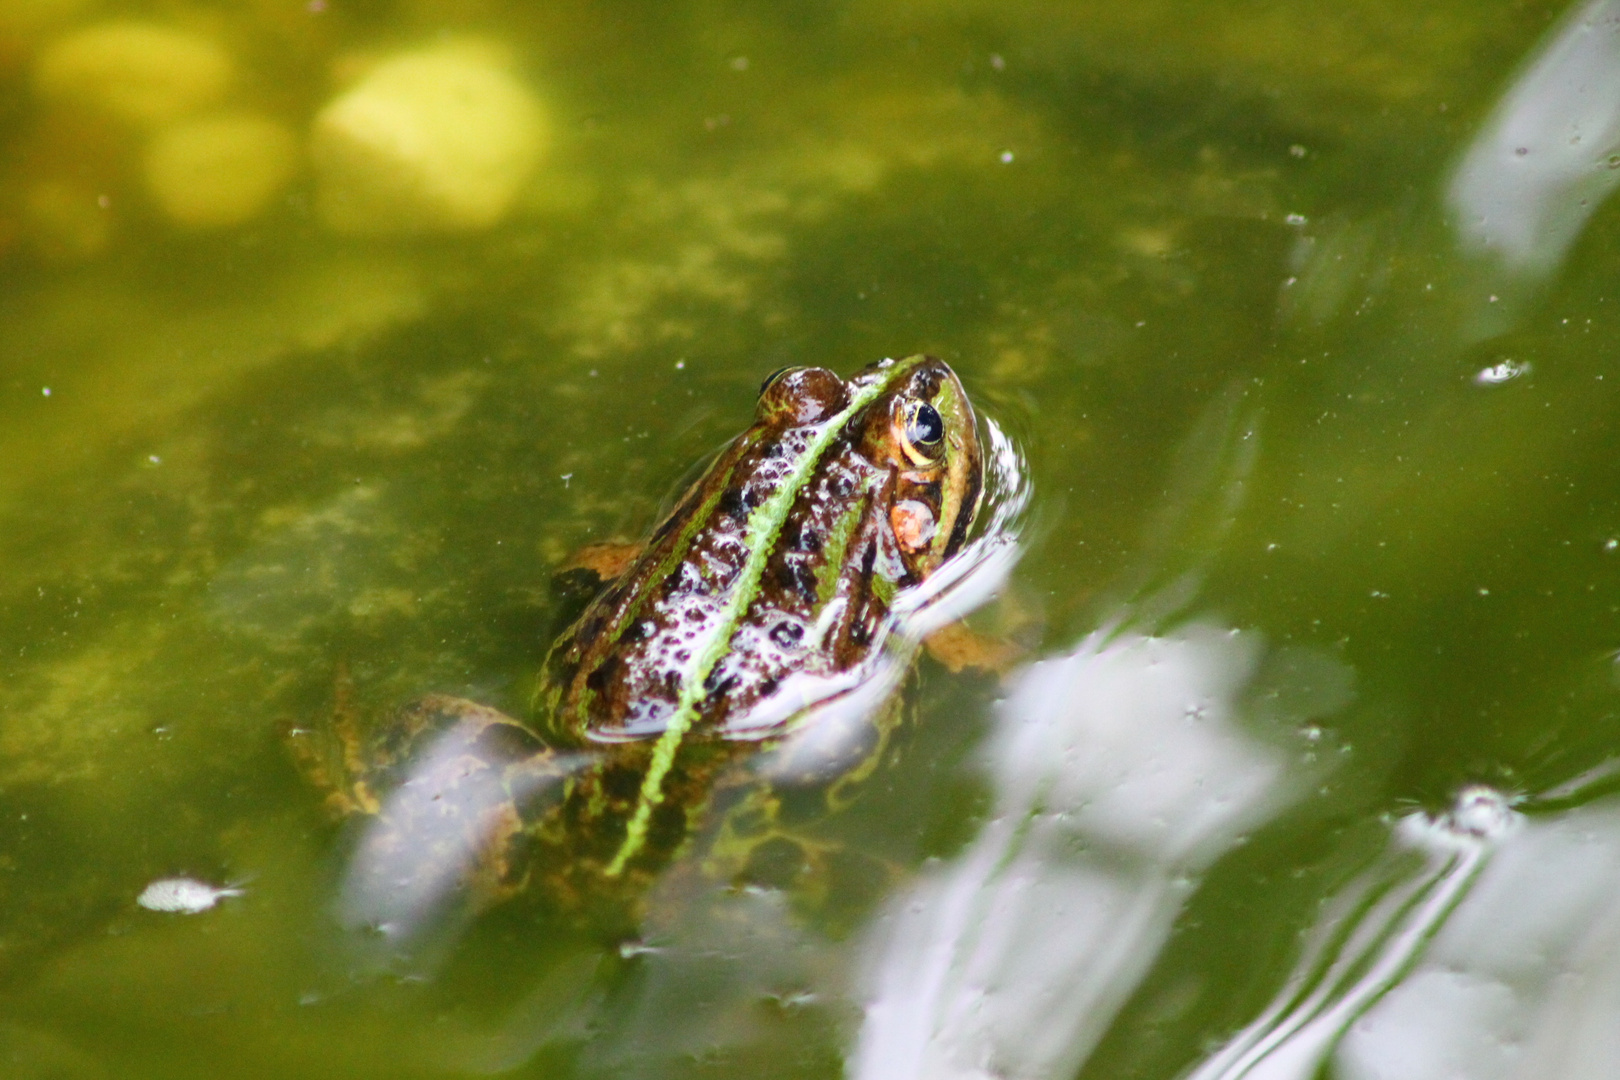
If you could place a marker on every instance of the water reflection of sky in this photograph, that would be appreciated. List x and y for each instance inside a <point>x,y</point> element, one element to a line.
<point>1478,944</point>
<point>1122,771</point>
<point>1523,981</point>
<point>1545,159</point>
<point>1492,955</point>
<point>1366,938</point>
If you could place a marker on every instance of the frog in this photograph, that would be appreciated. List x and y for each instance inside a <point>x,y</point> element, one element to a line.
<point>744,652</point>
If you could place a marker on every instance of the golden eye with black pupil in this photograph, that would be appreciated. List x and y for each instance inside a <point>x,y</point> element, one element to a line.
<point>923,432</point>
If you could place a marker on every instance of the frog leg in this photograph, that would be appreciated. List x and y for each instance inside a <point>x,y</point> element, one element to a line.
<point>332,756</point>
<point>752,846</point>
<point>758,843</point>
<point>606,560</point>
<point>957,647</point>
<point>448,790</point>
<point>585,574</point>
<point>461,786</point>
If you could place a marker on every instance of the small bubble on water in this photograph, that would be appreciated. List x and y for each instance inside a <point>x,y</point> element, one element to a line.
<point>1295,219</point>
<point>1500,373</point>
<point>1006,157</point>
<point>1483,812</point>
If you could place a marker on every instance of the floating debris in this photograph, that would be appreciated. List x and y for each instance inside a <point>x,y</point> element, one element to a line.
<point>183,895</point>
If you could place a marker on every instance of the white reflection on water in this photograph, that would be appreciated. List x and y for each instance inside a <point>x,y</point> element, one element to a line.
<point>1523,983</point>
<point>1367,940</point>
<point>410,879</point>
<point>1121,772</point>
<point>1545,158</point>
<point>1520,193</point>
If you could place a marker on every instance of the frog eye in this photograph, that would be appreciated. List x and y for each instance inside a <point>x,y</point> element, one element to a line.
<point>800,395</point>
<point>770,380</point>
<point>922,432</point>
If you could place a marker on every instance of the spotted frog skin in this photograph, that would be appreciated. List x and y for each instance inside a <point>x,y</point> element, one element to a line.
<point>754,611</point>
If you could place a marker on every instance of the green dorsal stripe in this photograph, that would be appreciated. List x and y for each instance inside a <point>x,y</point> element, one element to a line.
<point>759,538</point>
<point>628,613</point>
<point>836,547</point>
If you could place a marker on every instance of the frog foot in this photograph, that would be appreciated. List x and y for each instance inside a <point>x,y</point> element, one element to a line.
<point>957,647</point>
<point>822,877</point>
<point>332,756</point>
<point>449,790</point>
<point>606,560</point>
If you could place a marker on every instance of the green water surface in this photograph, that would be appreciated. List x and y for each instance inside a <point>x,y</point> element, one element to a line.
<point>233,461</point>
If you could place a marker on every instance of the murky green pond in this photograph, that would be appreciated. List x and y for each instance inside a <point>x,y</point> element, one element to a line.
<point>330,329</point>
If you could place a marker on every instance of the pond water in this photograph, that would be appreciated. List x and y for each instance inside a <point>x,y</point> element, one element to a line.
<point>330,329</point>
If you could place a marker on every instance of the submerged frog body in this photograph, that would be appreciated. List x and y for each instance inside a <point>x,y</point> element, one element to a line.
<point>751,621</point>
